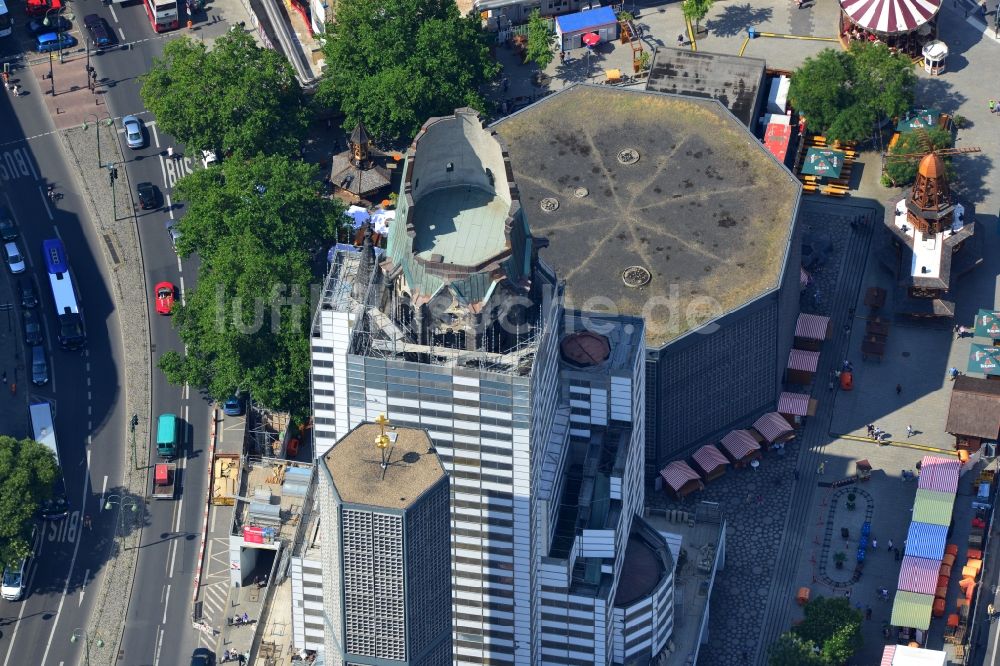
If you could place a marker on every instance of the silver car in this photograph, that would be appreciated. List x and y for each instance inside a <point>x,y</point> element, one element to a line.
<point>15,260</point>
<point>133,132</point>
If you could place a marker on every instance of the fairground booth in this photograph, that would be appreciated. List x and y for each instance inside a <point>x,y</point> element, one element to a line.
<point>902,25</point>
<point>587,28</point>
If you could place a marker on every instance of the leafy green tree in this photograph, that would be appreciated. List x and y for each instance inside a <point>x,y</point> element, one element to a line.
<point>257,225</point>
<point>904,171</point>
<point>790,650</point>
<point>540,40</point>
<point>28,471</point>
<point>236,97</point>
<point>395,63</point>
<point>696,10</point>
<point>833,625</point>
<point>843,94</point>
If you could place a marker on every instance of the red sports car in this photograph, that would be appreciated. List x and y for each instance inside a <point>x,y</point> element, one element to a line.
<point>165,297</point>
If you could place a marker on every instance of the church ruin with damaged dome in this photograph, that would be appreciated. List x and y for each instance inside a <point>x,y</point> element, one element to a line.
<point>667,208</point>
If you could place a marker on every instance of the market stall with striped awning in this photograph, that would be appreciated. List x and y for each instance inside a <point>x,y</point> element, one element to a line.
<point>774,428</point>
<point>741,447</point>
<point>796,406</point>
<point>933,507</point>
<point>926,540</point>
<point>711,461</point>
<point>940,474</point>
<point>919,575</point>
<point>681,479</point>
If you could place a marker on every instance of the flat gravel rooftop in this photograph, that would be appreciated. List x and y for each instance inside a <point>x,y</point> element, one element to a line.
<point>673,185</point>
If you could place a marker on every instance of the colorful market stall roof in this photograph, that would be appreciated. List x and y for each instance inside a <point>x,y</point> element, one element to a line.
<point>677,474</point>
<point>988,324</point>
<point>709,458</point>
<point>773,426</point>
<point>919,575</point>
<point>777,136</point>
<point>933,507</point>
<point>984,359</point>
<point>800,359</point>
<point>926,540</point>
<point>913,610</point>
<point>904,655</point>
<point>812,327</point>
<point>823,162</point>
<point>795,404</point>
<point>920,119</point>
<point>940,474</point>
<point>890,16</point>
<point>739,443</point>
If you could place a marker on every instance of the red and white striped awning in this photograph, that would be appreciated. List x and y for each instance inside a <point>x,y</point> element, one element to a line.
<point>939,474</point>
<point>919,575</point>
<point>677,474</point>
<point>739,443</point>
<point>800,359</point>
<point>890,16</point>
<point>773,426</point>
<point>709,458</point>
<point>795,404</point>
<point>812,327</point>
<point>888,654</point>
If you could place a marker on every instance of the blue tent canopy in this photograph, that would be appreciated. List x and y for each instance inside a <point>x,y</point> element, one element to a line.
<point>588,19</point>
<point>926,540</point>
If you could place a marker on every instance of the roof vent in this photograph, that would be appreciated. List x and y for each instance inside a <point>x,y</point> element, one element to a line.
<point>636,276</point>
<point>549,204</point>
<point>628,156</point>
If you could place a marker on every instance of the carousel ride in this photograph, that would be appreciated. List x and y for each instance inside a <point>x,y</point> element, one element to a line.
<point>905,26</point>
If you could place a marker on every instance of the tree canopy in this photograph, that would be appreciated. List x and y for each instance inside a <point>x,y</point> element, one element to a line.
<point>393,64</point>
<point>834,626</point>
<point>28,471</point>
<point>257,225</point>
<point>696,10</point>
<point>904,171</point>
<point>790,650</point>
<point>236,97</point>
<point>540,39</point>
<point>843,94</point>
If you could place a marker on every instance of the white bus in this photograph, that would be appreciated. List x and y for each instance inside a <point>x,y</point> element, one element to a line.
<point>162,14</point>
<point>6,22</point>
<point>71,333</point>
<point>44,432</point>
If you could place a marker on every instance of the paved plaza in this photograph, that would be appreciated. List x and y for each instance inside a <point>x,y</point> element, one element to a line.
<point>779,515</point>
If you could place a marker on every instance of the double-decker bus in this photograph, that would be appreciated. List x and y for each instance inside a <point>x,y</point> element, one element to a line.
<point>44,433</point>
<point>162,14</point>
<point>71,332</point>
<point>6,22</point>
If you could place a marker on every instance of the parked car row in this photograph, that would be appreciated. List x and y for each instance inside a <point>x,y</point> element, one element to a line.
<point>31,321</point>
<point>51,33</point>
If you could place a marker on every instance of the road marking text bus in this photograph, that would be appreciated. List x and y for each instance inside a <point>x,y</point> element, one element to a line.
<point>71,332</point>
<point>44,433</point>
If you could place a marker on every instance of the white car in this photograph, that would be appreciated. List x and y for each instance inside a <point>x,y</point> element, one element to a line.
<point>15,580</point>
<point>15,260</point>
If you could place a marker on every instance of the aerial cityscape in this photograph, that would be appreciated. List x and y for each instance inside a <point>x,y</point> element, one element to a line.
<point>433,332</point>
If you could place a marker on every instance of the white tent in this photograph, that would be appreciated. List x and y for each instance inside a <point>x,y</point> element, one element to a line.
<point>359,215</point>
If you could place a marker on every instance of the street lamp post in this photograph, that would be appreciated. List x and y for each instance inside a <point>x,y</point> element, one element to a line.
<point>78,634</point>
<point>123,503</point>
<point>47,22</point>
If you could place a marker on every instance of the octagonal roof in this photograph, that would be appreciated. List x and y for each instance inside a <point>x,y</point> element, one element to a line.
<point>655,205</point>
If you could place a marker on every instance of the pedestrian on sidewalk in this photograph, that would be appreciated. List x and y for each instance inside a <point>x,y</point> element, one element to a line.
<point>795,472</point>
<point>871,430</point>
<point>680,39</point>
<point>993,104</point>
<point>899,389</point>
<point>17,90</point>
<point>868,612</point>
<point>821,469</point>
<point>909,431</point>
<point>890,544</point>
<point>874,545</point>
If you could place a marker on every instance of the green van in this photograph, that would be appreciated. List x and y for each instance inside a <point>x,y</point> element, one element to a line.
<point>167,436</point>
